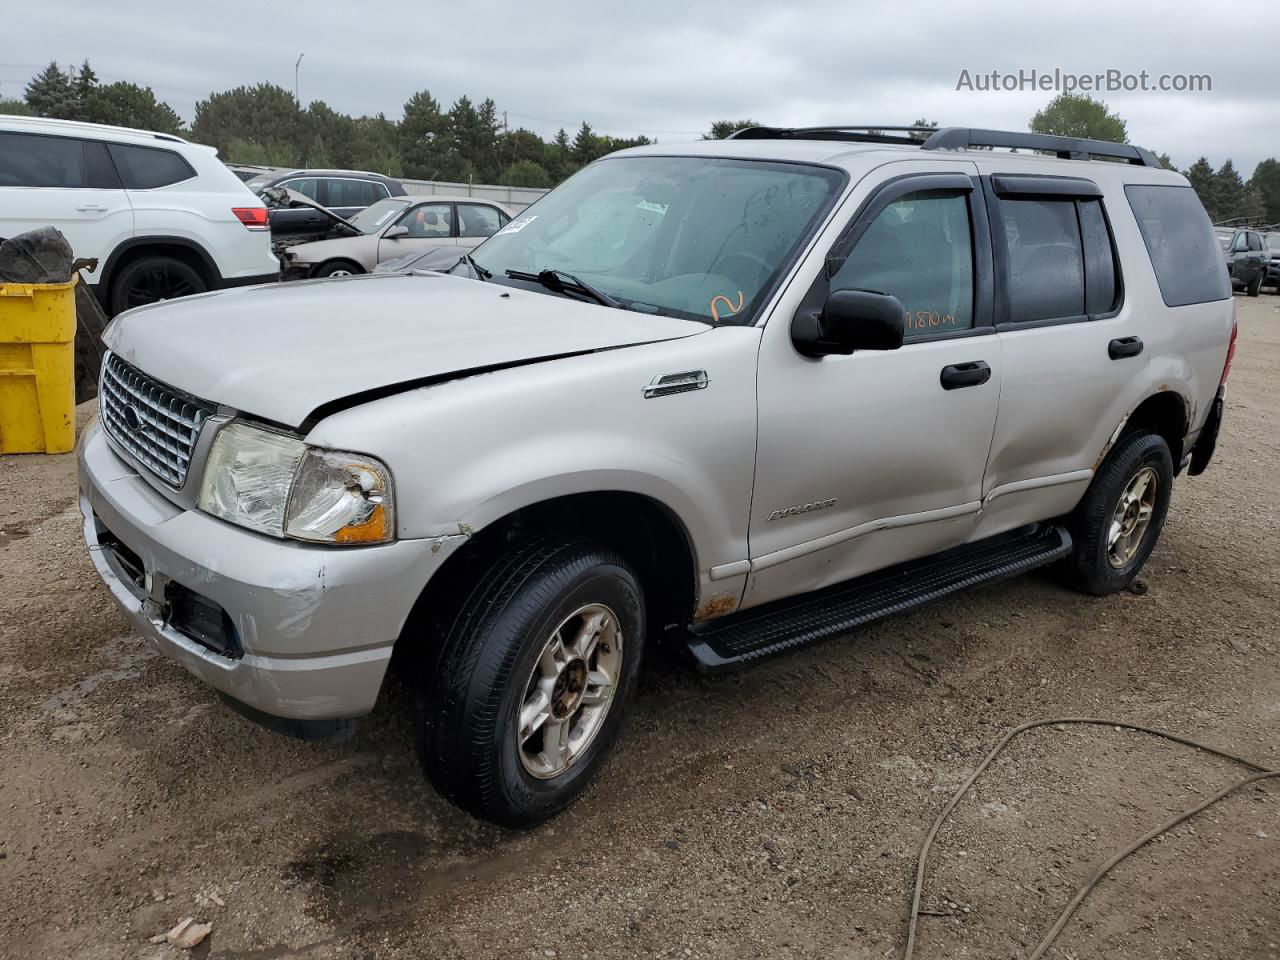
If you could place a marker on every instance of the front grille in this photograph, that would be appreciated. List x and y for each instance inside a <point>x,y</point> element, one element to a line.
<point>155,423</point>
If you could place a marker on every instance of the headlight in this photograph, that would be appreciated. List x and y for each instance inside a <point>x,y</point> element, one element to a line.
<point>279,486</point>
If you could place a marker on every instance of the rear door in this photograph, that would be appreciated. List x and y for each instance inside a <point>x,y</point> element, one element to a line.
<point>477,222</point>
<point>346,196</point>
<point>66,183</point>
<point>1071,345</point>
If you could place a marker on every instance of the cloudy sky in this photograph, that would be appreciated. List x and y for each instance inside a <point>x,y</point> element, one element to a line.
<point>667,69</point>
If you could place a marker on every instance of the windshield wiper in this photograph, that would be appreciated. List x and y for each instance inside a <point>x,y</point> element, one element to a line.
<point>559,281</point>
<point>480,271</point>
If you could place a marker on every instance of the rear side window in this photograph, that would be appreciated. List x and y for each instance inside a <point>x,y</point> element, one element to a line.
<point>1062,262</point>
<point>475,220</point>
<point>30,160</point>
<point>1046,259</point>
<point>144,168</point>
<point>1180,240</point>
<point>351,193</point>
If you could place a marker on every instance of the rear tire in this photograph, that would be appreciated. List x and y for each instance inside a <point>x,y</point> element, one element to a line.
<point>501,733</point>
<point>1116,525</point>
<point>152,279</point>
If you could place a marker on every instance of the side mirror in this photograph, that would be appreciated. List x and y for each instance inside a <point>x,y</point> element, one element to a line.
<point>850,320</point>
<point>395,233</point>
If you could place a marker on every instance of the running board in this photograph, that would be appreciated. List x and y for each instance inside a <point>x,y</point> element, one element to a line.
<point>740,638</point>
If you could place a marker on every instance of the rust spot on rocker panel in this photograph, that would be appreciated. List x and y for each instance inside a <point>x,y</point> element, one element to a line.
<point>717,606</point>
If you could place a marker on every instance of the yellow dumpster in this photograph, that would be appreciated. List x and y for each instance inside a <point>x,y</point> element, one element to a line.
<point>37,367</point>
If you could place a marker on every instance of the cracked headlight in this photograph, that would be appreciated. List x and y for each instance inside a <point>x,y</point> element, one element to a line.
<point>280,486</point>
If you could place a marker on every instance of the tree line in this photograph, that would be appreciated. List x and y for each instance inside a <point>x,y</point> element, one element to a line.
<point>471,142</point>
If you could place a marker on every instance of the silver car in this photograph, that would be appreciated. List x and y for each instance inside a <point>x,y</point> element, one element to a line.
<point>394,227</point>
<point>739,396</point>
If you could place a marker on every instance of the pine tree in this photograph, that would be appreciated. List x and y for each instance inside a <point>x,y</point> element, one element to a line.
<point>51,93</point>
<point>585,145</point>
<point>423,139</point>
<point>1266,178</point>
<point>1201,176</point>
<point>1228,192</point>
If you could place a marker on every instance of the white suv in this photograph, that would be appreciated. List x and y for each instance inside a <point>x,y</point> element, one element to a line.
<point>163,216</point>
<point>741,395</point>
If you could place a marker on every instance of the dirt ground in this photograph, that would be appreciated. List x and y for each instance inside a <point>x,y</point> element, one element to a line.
<point>773,813</point>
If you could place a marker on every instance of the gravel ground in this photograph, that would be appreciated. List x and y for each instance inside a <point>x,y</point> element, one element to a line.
<point>773,813</point>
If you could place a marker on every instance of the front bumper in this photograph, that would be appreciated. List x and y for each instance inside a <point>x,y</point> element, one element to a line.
<point>313,627</point>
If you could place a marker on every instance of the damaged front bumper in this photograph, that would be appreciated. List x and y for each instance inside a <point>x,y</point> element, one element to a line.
<point>289,631</point>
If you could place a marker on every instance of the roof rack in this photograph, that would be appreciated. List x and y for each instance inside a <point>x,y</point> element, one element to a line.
<point>858,133</point>
<point>81,124</point>
<point>960,138</point>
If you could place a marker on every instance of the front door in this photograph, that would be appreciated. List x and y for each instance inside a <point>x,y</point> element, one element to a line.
<point>867,460</point>
<point>429,224</point>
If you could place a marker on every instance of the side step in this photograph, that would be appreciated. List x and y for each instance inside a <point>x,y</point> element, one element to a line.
<point>738,639</point>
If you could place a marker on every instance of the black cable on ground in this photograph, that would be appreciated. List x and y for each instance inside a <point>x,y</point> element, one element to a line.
<point>1262,773</point>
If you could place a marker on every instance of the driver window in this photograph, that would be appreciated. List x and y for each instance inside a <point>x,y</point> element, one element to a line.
<point>918,249</point>
<point>430,222</point>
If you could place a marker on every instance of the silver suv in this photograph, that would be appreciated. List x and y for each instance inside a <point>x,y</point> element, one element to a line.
<point>745,394</point>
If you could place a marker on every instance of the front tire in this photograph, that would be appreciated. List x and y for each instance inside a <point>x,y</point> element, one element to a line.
<point>337,268</point>
<point>1255,287</point>
<point>1118,522</point>
<point>532,681</point>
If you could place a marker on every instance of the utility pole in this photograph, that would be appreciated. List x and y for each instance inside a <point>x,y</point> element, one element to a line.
<point>295,80</point>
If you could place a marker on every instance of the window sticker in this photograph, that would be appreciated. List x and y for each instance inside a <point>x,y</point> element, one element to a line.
<point>515,226</point>
<point>658,208</point>
<point>728,304</point>
<point>386,216</point>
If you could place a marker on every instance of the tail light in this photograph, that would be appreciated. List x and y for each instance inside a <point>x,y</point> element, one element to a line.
<point>1231,353</point>
<point>254,218</point>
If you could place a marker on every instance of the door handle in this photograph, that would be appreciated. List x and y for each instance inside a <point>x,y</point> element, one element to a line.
<point>91,208</point>
<point>1124,347</point>
<point>972,374</point>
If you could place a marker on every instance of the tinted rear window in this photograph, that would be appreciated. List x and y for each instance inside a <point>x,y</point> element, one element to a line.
<point>1184,250</point>
<point>31,160</point>
<point>143,168</point>
<point>1046,259</point>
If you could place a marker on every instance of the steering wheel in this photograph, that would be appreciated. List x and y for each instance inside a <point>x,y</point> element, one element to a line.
<point>754,259</point>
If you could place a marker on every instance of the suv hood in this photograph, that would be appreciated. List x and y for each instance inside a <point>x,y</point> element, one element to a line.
<point>282,351</point>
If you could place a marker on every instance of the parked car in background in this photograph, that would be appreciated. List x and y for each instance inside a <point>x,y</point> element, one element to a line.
<point>247,171</point>
<point>345,192</point>
<point>1272,240</point>
<point>1247,258</point>
<point>164,217</point>
<point>393,228</point>
<point>739,395</point>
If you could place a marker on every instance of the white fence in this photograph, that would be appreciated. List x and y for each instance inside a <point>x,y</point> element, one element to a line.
<point>513,198</point>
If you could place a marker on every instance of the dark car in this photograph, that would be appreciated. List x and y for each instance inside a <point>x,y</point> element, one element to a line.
<point>1247,258</point>
<point>344,192</point>
<point>1272,241</point>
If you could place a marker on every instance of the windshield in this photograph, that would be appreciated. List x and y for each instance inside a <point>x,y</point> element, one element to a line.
<point>691,237</point>
<point>374,218</point>
<point>259,183</point>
